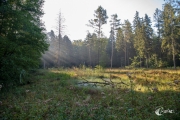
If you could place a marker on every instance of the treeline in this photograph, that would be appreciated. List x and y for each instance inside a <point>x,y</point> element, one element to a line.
<point>134,44</point>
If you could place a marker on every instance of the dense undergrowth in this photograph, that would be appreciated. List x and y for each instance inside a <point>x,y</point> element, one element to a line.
<point>57,94</point>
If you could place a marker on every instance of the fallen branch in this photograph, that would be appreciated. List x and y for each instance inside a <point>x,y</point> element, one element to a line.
<point>94,83</point>
<point>122,83</point>
<point>106,82</point>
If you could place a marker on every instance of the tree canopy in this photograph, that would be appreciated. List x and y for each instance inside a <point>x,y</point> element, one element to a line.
<point>22,38</point>
<point>136,44</point>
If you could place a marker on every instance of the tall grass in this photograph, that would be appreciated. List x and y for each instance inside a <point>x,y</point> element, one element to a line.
<point>55,94</point>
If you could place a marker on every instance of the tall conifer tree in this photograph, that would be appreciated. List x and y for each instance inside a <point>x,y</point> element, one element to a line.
<point>97,23</point>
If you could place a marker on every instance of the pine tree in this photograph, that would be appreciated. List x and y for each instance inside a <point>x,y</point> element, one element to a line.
<point>139,43</point>
<point>115,23</point>
<point>171,34</point>
<point>120,42</point>
<point>128,37</point>
<point>60,30</point>
<point>89,44</point>
<point>158,19</point>
<point>97,23</point>
<point>66,49</point>
<point>148,32</point>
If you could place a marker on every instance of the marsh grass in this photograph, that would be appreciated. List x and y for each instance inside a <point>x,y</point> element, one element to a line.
<point>55,94</point>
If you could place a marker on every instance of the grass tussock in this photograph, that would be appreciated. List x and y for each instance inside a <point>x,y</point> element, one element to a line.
<point>56,94</point>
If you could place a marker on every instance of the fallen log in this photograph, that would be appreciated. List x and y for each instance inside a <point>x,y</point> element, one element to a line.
<point>105,82</point>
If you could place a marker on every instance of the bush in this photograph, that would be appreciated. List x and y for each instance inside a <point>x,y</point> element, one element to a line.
<point>135,62</point>
<point>99,68</point>
<point>155,62</point>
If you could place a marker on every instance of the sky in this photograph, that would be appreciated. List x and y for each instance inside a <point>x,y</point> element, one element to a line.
<point>77,13</point>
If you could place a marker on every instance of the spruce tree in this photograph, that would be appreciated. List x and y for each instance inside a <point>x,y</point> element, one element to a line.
<point>171,34</point>
<point>115,23</point>
<point>139,43</point>
<point>22,38</point>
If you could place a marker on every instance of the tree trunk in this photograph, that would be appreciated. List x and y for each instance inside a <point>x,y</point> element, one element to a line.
<point>99,34</point>
<point>146,62</point>
<point>174,57</point>
<point>90,56</point>
<point>121,61</point>
<point>128,56</point>
<point>124,58</point>
<point>58,61</point>
<point>173,50</point>
<point>112,54</point>
<point>44,65</point>
<point>98,52</point>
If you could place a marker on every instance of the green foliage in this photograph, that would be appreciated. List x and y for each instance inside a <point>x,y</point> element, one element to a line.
<point>99,20</point>
<point>115,23</point>
<point>120,40</point>
<point>162,64</point>
<point>158,19</point>
<point>154,62</point>
<point>135,62</point>
<point>22,76</point>
<point>139,41</point>
<point>22,38</point>
<point>125,42</point>
<point>170,42</point>
<point>98,68</point>
<point>62,99</point>
<point>83,67</point>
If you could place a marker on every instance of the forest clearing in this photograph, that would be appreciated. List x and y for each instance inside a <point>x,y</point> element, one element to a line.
<point>118,60</point>
<point>58,94</point>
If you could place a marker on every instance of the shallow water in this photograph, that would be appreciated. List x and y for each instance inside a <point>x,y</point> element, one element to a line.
<point>90,85</point>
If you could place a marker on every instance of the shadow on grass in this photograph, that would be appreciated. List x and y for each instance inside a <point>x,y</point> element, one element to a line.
<point>57,96</point>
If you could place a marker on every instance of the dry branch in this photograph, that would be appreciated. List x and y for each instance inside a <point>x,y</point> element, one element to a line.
<point>105,82</point>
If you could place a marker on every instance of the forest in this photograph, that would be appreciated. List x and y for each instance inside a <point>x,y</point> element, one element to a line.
<point>137,44</point>
<point>131,74</point>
